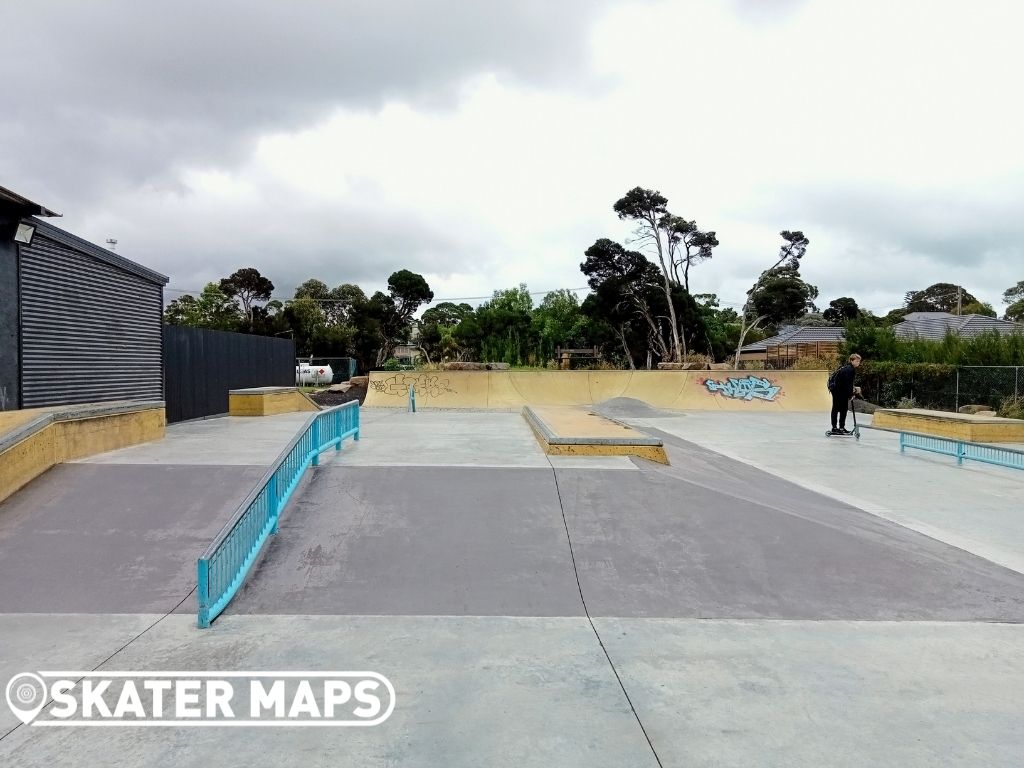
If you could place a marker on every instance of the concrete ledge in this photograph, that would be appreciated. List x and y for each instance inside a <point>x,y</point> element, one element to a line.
<point>51,436</point>
<point>268,401</point>
<point>957,426</point>
<point>578,432</point>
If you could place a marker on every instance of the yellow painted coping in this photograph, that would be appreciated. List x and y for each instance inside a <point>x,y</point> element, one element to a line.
<point>567,431</point>
<point>29,447</point>
<point>268,401</point>
<point>957,426</point>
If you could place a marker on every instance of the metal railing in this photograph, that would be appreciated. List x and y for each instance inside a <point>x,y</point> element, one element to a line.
<point>222,568</point>
<point>963,451</point>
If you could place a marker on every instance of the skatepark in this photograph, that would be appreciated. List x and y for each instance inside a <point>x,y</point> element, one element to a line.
<point>766,597</point>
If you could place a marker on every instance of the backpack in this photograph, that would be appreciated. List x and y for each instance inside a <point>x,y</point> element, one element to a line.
<point>832,380</point>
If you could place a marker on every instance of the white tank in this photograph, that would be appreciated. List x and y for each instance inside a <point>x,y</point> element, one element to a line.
<point>313,374</point>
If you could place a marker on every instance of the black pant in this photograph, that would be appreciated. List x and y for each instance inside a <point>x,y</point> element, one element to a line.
<point>840,404</point>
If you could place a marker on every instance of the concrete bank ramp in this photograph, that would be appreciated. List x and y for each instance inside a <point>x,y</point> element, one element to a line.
<point>761,391</point>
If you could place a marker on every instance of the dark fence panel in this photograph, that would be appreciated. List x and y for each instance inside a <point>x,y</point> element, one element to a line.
<point>201,366</point>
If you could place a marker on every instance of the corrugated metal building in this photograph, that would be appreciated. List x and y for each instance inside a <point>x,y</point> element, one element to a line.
<point>78,323</point>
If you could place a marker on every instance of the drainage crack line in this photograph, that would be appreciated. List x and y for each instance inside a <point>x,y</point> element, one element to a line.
<point>590,620</point>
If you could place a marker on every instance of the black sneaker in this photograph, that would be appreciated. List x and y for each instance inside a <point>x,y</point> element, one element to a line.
<point>844,431</point>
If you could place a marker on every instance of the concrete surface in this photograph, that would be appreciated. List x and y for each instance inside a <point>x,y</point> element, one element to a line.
<point>976,507</point>
<point>435,553</point>
<point>229,440</point>
<point>91,538</point>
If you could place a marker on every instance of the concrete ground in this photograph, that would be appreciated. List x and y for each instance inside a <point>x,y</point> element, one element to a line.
<point>745,607</point>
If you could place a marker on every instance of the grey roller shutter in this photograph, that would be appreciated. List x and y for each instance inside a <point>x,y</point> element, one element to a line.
<point>90,330</point>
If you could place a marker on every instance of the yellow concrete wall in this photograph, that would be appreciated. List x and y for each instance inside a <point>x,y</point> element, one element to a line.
<point>269,403</point>
<point>78,438</point>
<point>954,426</point>
<point>26,460</point>
<point>75,439</point>
<point>678,390</point>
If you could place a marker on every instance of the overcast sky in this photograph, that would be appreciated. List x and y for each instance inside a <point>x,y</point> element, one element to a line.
<point>483,143</point>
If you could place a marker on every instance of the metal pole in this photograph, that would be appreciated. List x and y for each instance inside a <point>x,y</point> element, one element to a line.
<point>956,406</point>
<point>412,398</point>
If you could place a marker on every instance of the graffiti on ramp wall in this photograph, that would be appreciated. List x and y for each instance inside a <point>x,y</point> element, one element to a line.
<point>749,388</point>
<point>425,384</point>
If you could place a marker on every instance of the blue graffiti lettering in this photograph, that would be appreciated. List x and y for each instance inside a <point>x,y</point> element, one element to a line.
<point>750,388</point>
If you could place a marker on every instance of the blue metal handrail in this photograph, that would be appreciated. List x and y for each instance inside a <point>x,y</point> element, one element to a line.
<point>222,568</point>
<point>963,451</point>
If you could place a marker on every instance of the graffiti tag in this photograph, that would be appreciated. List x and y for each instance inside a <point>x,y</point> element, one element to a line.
<point>750,388</point>
<point>425,384</point>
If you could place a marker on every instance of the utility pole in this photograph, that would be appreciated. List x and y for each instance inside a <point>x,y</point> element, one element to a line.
<point>959,299</point>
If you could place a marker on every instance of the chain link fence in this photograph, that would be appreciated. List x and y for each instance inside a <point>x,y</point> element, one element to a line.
<point>965,385</point>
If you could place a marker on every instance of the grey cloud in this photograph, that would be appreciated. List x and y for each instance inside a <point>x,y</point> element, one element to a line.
<point>289,245</point>
<point>951,228</point>
<point>111,93</point>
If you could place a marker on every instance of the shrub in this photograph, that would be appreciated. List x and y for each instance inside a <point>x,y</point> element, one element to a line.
<point>752,365</point>
<point>391,364</point>
<point>1012,408</point>
<point>907,402</point>
<point>816,363</point>
<point>696,357</point>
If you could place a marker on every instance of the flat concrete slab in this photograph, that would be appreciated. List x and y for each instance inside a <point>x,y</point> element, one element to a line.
<point>656,543</point>
<point>471,692</point>
<point>418,541</point>
<point>35,641</point>
<point>811,694</point>
<point>112,539</point>
<point>228,440</point>
<point>397,438</point>
<point>975,507</point>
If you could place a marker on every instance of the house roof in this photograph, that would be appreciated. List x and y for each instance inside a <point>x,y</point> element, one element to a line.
<point>796,335</point>
<point>935,325</point>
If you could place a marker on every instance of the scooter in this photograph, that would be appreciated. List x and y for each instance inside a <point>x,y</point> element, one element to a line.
<point>856,429</point>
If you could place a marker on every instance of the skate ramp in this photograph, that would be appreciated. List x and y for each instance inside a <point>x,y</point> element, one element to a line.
<point>761,391</point>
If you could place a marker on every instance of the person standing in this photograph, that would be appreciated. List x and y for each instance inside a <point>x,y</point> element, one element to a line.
<point>843,389</point>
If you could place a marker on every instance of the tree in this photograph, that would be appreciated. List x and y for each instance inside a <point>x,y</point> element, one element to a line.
<point>687,246</point>
<point>1014,296</point>
<point>393,311</point>
<point>342,302</point>
<point>1014,293</point>
<point>940,297</point>
<point>306,320</point>
<point>790,254</point>
<point>841,310</point>
<point>506,326</point>
<point>781,295</point>
<point>979,308</point>
<point>247,285</point>
<point>625,285</point>
<point>437,330</point>
<point>212,309</point>
<point>312,289</point>
<point>558,321</point>
<point>678,243</point>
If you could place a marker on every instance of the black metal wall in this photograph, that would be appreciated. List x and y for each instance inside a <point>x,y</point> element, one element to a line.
<point>201,365</point>
<point>90,323</point>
